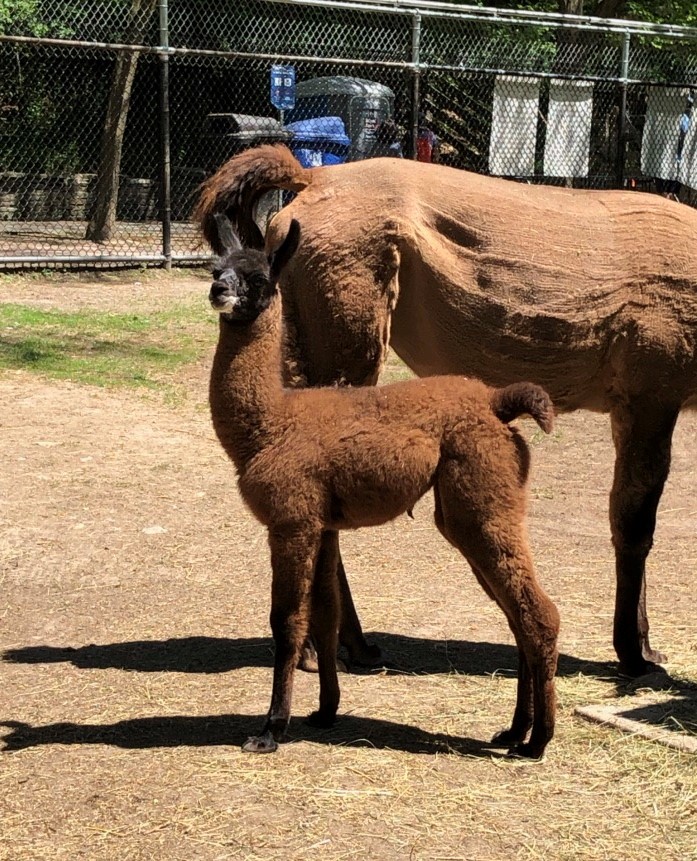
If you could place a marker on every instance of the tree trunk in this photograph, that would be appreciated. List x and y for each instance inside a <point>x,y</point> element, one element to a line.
<point>101,226</point>
<point>599,9</point>
<point>573,45</point>
<point>103,221</point>
<point>610,8</point>
<point>570,7</point>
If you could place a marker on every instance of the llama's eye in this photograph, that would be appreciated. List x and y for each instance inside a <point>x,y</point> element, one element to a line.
<point>217,273</point>
<point>259,282</point>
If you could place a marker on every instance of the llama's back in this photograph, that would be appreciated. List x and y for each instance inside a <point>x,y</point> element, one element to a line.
<point>378,449</point>
<point>495,279</point>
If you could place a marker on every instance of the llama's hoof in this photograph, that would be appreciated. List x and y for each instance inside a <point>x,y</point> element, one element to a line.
<point>637,668</point>
<point>508,738</point>
<point>368,657</point>
<point>652,656</point>
<point>525,751</point>
<point>658,681</point>
<point>308,661</point>
<point>320,720</point>
<point>264,743</point>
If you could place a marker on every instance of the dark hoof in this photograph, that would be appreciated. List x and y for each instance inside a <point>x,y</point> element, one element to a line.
<point>635,669</point>
<point>657,681</point>
<point>525,751</point>
<point>321,721</point>
<point>260,744</point>
<point>368,657</point>
<point>508,738</point>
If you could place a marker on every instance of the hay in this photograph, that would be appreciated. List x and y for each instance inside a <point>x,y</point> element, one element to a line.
<point>135,665</point>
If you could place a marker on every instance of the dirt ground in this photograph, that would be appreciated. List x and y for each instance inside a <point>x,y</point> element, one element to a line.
<point>137,653</point>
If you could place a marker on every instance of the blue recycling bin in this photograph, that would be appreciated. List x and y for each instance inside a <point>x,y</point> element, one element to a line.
<point>319,141</point>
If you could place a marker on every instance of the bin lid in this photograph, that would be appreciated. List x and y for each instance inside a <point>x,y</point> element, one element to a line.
<point>243,126</point>
<point>342,85</point>
<point>327,129</point>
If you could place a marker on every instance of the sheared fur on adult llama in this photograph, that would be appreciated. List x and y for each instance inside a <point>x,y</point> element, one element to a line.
<point>374,453</point>
<point>591,294</point>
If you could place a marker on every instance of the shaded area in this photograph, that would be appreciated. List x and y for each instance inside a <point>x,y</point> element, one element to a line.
<point>677,714</point>
<point>668,717</point>
<point>411,655</point>
<point>233,729</point>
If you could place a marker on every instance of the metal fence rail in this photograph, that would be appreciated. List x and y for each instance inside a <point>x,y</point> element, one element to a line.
<point>537,98</point>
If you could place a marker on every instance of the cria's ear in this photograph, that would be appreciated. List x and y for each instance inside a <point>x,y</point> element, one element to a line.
<point>285,251</point>
<point>226,233</point>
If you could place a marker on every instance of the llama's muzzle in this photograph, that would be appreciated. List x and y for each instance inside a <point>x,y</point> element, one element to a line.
<point>223,296</point>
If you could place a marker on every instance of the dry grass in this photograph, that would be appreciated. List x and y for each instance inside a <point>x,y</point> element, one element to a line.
<point>137,660</point>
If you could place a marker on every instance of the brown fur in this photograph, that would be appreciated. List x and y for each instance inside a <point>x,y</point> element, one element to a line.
<point>313,461</point>
<point>591,294</point>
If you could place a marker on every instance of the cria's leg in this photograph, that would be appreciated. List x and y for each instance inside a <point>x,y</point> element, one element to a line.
<point>361,652</point>
<point>642,432</point>
<point>524,708</point>
<point>325,620</point>
<point>293,555</point>
<point>482,508</point>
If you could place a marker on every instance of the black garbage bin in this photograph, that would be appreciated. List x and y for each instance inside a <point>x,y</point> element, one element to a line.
<point>362,106</point>
<point>225,135</point>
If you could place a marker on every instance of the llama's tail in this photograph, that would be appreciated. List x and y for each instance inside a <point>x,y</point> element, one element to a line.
<point>512,401</point>
<point>239,183</point>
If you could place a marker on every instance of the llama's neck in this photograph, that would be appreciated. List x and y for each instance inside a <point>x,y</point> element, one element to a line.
<point>246,390</point>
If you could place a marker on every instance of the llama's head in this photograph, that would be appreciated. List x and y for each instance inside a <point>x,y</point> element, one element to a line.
<point>245,279</point>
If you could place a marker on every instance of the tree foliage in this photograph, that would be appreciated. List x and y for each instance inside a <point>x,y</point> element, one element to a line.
<point>681,12</point>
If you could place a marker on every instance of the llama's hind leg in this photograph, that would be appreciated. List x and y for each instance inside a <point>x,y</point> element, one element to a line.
<point>488,530</point>
<point>293,555</point>
<point>524,707</point>
<point>642,432</point>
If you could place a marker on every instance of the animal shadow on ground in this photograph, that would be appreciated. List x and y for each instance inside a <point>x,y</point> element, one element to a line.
<point>233,729</point>
<point>418,656</point>
<point>412,656</point>
<point>676,713</point>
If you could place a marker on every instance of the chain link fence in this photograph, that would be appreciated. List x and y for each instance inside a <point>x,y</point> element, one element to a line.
<point>112,113</point>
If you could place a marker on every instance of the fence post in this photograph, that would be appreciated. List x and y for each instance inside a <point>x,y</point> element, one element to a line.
<point>165,174</point>
<point>622,115</point>
<point>416,89</point>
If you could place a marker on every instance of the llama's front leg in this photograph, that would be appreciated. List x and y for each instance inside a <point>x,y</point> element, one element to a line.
<point>324,624</point>
<point>293,555</point>
<point>361,652</point>
<point>642,433</point>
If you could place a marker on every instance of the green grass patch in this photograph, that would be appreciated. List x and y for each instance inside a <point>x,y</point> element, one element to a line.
<point>394,370</point>
<point>104,349</point>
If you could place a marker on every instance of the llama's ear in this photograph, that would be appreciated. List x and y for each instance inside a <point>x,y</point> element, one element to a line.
<point>286,250</point>
<point>226,233</point>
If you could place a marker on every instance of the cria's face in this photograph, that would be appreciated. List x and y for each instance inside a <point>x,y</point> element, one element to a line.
<point>241,288</point>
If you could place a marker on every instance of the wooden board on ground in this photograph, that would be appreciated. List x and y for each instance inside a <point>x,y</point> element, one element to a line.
<point>662,716</point>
